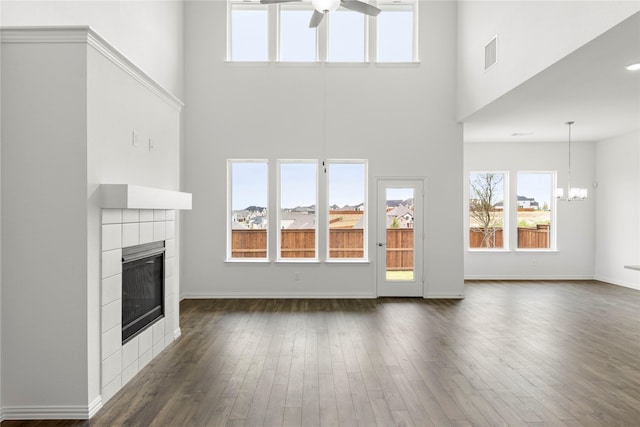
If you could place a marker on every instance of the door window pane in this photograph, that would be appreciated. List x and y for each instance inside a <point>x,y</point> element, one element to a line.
<point>248,33</point>
<point>395,33</point>
<point>298,201</point>
<point>347,204</point>
<point>249,215</point>
<point>534,209</point>
<point>486,210</point>
<point>400,234</point>
<point>346,36</point>
<point>297,40</point>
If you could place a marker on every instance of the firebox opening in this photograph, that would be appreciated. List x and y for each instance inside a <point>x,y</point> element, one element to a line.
<point>142,287</point>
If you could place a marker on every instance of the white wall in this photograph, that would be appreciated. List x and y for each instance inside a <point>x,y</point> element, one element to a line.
<point>44,225</point>
<point>618,210</point>
<point>400,118</point>
<point>574,258</point>
<point>1,406</point>
<point>150,33</point>
<point>532,35</point>
<point>69,131</point>
<point>118,104</point>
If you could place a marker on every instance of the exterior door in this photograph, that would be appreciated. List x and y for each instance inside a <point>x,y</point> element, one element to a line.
<point>400,237</point>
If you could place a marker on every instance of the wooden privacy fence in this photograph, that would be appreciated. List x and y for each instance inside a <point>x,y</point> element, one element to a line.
<point>528,237</point>
<point>399,249</point>
<point>533,237</point>
<point>477,238</point>
<point>343,243</point>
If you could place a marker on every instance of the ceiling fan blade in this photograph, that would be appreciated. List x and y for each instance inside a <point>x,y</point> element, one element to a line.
<point>316,19</point>
<point>276,1</point>
<point>360,6</point>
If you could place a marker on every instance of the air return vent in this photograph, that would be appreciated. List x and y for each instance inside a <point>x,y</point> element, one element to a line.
<point>491,53</point>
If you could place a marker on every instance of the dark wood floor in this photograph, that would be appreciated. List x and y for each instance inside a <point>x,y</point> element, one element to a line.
<point>511,353</point>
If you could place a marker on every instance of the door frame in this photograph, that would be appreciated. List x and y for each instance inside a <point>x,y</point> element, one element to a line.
<point>419,238</point>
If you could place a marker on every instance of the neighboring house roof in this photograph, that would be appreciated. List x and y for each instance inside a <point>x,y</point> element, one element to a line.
<point>400,211</point>
<point>297,220</point>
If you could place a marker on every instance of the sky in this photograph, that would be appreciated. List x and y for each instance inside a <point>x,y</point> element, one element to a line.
<point>536,185</point>
<point>298,184</point>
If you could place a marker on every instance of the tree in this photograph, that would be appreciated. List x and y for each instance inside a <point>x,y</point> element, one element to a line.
<point>395,223</point>
<point>483,192</point>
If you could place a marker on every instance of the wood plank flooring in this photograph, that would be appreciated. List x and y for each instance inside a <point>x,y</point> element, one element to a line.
<point>512,353</point>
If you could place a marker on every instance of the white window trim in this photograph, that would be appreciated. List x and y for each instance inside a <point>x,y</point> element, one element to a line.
<point>374,38</point>
<point>279,257</point>
<point>365,258</point>
<point>322,37</point>
<point>248,5</point>
<point>506,213</point>
<point>295,6</point>
<point>553,241</point>
<point>325,39</point>
<point>229,225</point>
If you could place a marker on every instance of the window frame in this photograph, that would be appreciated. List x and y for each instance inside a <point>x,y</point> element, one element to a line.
<point>229,226</point>
<point>279,257</point>
<point>327,203</point>
<point>389,5</point>
<point>506,211</point>
<point>247,5</point>
<point>552,206</point>
<point>278,36</point>
<point>322,33</point>
<point>366,41</point>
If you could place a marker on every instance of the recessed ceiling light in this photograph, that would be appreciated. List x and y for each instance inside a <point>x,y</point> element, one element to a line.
<point>521,133</point>
<point>634,67</point>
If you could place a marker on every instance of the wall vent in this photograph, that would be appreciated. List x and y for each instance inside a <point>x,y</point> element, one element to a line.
<point>491,53</point>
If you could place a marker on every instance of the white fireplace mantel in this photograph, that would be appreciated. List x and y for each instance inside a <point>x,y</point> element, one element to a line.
<point>128,196</point>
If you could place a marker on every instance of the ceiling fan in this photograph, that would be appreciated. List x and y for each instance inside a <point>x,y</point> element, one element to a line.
<point>322,7</point>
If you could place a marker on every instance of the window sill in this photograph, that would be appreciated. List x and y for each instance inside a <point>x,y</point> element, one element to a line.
<point>537,251</point>
<point>347,261</point>
<point>298,261</point>
<point>248,261</point>
<point>490,251</point>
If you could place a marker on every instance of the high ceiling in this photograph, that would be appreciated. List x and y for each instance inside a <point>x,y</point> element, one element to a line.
<point>590,86</point>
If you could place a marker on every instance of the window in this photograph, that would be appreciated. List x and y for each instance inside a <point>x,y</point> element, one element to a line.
<point>248,35</point>
<point>486,210</point>
<point>347,195</point>
<point>297,223</point>
<point>535,190</point>
<point>395,31</point>
<point>346,36</point>
<point>297,40</point>
<point>248,213</point>
<point>280,32</point>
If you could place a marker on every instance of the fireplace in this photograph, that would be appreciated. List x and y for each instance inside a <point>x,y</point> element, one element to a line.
<point>142,287</point>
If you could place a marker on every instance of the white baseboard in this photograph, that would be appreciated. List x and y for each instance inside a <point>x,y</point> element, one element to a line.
<point>524,277</point>
<point>444,295</point>
<point>176,333</point>
<point>95,406</point>
<point>52,412</point>
<point>267,295</point>
<point>635,286</point>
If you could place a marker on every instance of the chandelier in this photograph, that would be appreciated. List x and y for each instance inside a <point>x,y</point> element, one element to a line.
<point>573,193</point>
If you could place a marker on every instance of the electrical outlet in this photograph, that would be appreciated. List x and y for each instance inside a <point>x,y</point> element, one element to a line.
<point>134,138</point>
<point>151,147</point>
<point>298,276</point>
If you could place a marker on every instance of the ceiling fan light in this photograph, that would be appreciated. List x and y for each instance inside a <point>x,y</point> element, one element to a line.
<point>324,6</point>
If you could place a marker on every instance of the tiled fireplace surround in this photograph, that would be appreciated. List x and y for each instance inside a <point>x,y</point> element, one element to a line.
<point>122,228</point>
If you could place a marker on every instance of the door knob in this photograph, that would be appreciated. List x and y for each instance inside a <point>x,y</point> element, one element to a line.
<point>381,244</point>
